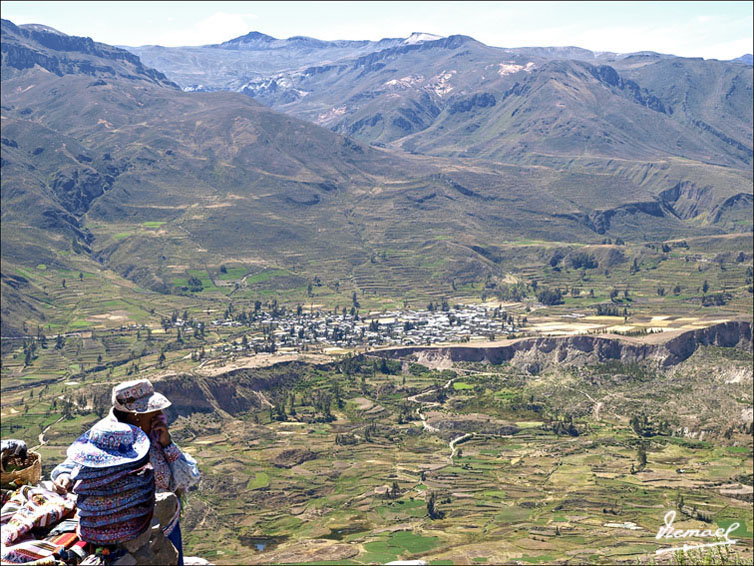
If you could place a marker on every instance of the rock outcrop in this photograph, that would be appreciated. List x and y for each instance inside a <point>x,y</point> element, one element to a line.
<point>233,392</point>
<point>24,47</point>
<point>586,349</point>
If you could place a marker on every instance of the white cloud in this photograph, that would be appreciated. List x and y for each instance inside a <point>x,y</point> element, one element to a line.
<point>219,27</point>
<point>696,38</point>
<point>728,50</point>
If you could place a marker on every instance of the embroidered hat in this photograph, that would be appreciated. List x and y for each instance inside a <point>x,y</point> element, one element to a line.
<point>106,475</point>
<point>117,532</point>
<point>97,505</point>
<point>138,396</point>
<point>102,521</point>
<point>115,483</point>
<point>109,443</point>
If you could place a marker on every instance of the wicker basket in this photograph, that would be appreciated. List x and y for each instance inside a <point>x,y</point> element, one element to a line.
<point>31,473</point>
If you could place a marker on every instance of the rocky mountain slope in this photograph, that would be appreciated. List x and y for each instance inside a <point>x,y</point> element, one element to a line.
<point>233,63</point>
<point>29,46</point>
<point>662,351</point>
<point>96,146</point>
<point>457,96</point>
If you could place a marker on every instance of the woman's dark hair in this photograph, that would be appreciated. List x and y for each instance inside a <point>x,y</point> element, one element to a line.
<point>122,416</point>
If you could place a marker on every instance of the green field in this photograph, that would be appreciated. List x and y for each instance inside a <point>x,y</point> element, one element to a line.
<point>532,497</point>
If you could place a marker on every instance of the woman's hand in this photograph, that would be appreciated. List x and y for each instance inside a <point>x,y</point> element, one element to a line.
<point>62,483</point>
<point>160,430</point>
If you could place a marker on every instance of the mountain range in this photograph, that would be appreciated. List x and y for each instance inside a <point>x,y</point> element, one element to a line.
<point>404,161</point>
<point>455,96</point>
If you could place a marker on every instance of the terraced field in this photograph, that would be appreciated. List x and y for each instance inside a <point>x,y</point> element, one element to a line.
<point>530,495</point>
<point>355,489</point>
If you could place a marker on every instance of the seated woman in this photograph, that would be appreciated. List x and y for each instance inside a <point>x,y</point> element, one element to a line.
<point>137,403</point>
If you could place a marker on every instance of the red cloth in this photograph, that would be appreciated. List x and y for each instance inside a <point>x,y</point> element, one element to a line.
<point>66,539</point>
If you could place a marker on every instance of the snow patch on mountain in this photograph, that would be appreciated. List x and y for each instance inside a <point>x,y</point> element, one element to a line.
<point>420,37</point>
<point>333,113</point>
<point>440,84</point>
<point>42,28</point>
<point>405,82</point>
<point>510,68</point>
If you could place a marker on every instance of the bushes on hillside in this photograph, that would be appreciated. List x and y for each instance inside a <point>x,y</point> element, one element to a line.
<point>583,260</point>
<point>550,297</point>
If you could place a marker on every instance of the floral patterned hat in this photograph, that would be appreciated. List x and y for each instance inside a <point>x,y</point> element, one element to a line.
<point>138,396</point>
<point>109,443</point>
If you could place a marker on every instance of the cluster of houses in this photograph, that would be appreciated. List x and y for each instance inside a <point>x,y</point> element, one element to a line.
<point>322,330</point>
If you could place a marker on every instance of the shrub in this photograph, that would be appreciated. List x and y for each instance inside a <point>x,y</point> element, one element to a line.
<point>550,297</point>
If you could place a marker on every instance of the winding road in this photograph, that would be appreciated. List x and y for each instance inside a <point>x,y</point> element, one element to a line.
<point>431,429</point>
<point>42,440</point>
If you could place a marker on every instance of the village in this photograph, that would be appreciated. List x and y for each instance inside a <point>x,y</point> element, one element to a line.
<point>282,329</point>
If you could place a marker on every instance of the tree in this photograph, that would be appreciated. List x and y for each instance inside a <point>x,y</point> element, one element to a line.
<point>66,410</point>
<point>194,285</point>
<point>322,402</point>
<point>705,286</point>
<point>292,407</point>
<point>432,511</point>
<point>30,349</point>
<point>336,393</point>
<point>550,297</point>
<point>583,260</point>
<point>641,456</point>
<point>384,367</point>
<point>395,490</point>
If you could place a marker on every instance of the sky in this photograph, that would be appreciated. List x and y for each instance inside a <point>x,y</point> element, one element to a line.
<point>712,30</point>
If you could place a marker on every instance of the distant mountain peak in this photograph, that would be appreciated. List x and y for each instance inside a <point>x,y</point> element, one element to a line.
<point>251,39</point>
<point>259,36</point>
<point>309,41</point>
<point>420,37</point>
